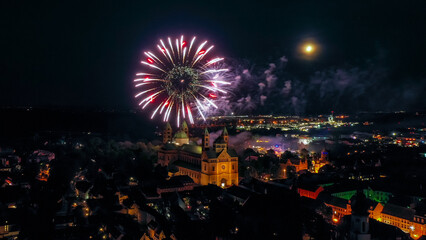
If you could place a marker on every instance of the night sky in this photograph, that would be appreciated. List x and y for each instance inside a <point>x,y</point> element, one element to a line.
<point>75,53</point>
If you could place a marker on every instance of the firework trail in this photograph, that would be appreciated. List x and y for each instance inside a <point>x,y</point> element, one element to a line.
<point>179,79</point>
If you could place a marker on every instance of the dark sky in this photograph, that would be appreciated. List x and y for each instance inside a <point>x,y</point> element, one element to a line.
<point>85,53</point>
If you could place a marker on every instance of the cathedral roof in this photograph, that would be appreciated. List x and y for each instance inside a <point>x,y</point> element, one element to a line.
<point>169,146</point>
<point>192,148</point>
<point>187,165</point>
<point>219,140</point>
<point>184,124</point>
<point>213,154</point>
<point>232,152</point>
<point>180,134</point>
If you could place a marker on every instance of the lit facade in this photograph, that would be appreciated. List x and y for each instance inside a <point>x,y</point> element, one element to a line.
<point>340,208</point>
<point>318,163</point>
<point>216,165</point>
<point>298,164</point>
<point>403,218</point>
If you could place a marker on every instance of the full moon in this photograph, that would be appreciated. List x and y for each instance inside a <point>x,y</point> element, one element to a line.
<point>309,48</point>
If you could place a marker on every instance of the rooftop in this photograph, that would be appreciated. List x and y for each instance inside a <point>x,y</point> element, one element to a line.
<point>183,164</point>
<point>180,135</point>
<point>398,211</point>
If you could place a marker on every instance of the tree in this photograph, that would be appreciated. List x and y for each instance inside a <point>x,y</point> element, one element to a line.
<point>291,171</point>
<point>287,154</point>
<point>248,152</point>
<point>304,154</point>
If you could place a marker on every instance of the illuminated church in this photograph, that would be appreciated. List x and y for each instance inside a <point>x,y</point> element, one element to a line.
<point>205,164</point>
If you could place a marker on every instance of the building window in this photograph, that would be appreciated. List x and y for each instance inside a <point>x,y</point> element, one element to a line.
<point>205,167</point>
<point>213,168</point>
<point>233,167</point>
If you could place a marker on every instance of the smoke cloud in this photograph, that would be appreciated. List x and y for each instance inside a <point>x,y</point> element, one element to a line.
<point>370,86</point>
<point>246,139</point>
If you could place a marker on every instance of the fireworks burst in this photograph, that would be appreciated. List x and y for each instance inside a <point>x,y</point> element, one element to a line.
<point>180,79</point>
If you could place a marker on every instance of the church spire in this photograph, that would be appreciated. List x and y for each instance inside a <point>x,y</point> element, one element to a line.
<point>206,139</point>
<point>225,135</point>
<point>167,133</point>
<point>222,141</point>
<point>184,128</point>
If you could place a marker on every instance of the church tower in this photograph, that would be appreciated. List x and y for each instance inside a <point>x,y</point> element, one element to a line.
<point>184,128</point>
<point>225,135</point>
<point>221,142</point>
<point>324,155</point>
<point>360,217</point>
<point>206,139</point>
<point>167,133</point>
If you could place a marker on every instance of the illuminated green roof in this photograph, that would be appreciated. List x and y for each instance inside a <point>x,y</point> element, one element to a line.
<point>192,148</point>
<point>184,124</point>
<point>180,134</point>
